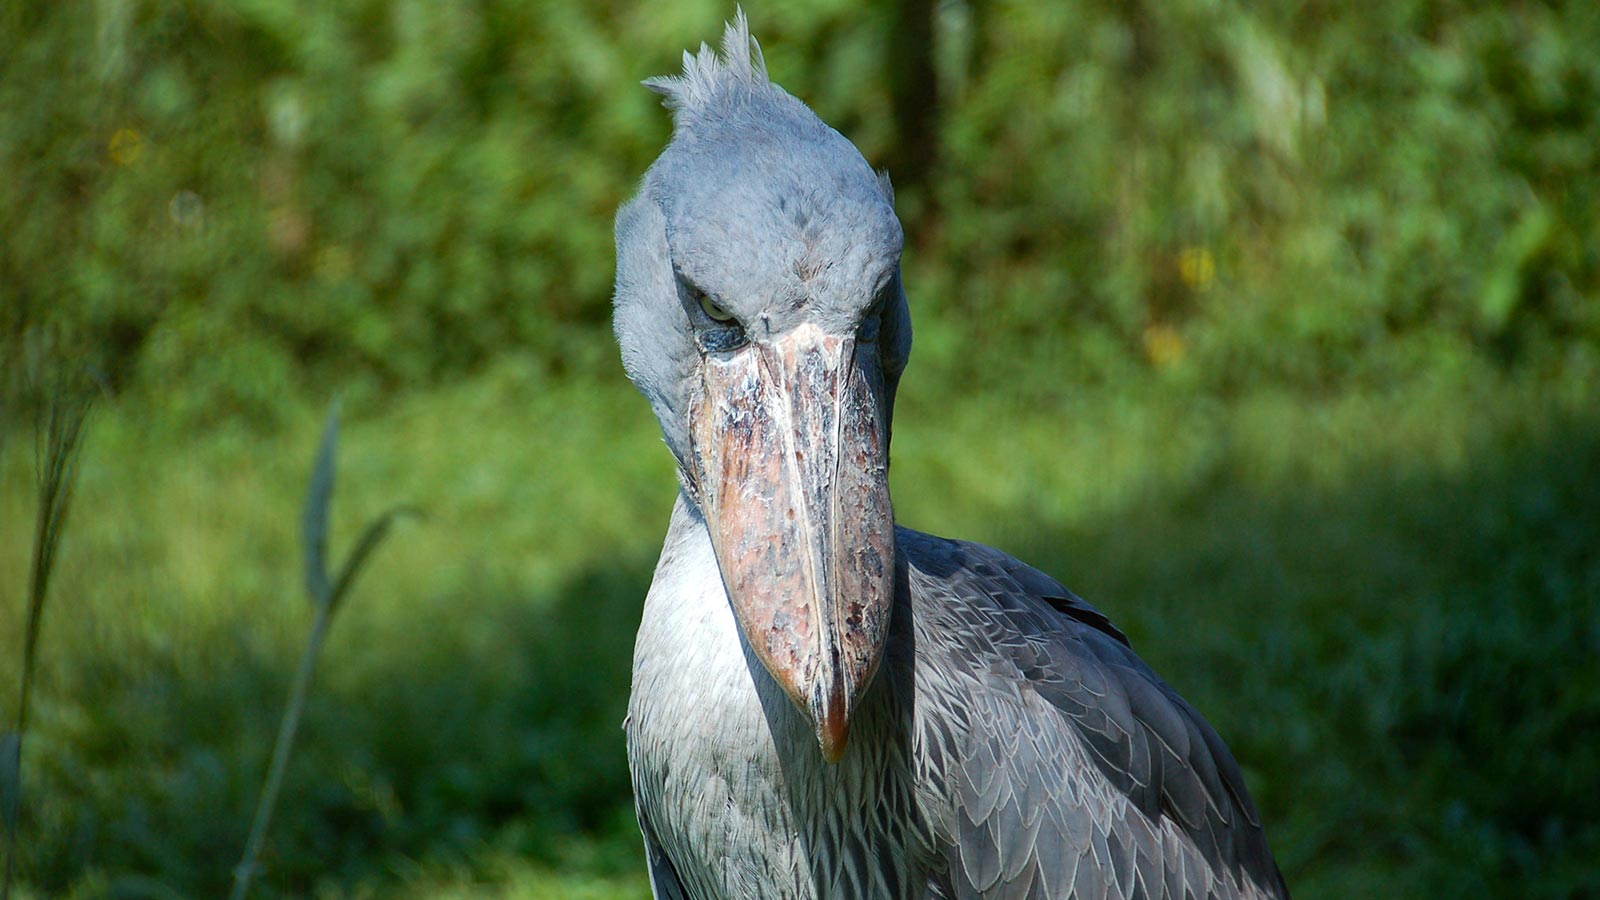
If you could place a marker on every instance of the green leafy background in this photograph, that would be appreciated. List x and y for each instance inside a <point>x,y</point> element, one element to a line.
<point>1272,328</point>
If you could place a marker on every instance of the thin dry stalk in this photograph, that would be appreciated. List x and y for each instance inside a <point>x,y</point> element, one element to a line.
<point>57,442</point>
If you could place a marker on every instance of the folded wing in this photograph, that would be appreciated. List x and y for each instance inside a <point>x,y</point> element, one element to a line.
<point>1053,760</point>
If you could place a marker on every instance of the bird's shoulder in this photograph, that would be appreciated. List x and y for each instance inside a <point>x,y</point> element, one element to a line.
<point>972,570</point>
<point>1034,691</point>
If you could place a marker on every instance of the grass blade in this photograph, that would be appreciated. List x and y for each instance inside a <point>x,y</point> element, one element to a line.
<point>371,537</point>
<point>326,599</point>
<point>294,708</point>
<point>10,779</point>
<point>10,800</point>
<point>55,459</point>
<point>314,524</point>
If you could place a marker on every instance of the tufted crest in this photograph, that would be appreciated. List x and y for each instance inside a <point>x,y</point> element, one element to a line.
<point>707,77</point>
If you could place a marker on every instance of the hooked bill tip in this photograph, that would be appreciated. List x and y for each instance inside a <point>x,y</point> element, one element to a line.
<point>833,728</point>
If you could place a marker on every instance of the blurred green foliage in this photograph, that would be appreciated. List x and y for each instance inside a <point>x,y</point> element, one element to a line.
<point>1284,317</point>
<point>398,192</point>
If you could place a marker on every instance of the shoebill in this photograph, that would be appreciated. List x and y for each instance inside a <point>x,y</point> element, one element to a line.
<point>827,705</point>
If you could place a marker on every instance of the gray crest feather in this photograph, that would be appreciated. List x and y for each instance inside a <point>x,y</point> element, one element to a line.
<point>707,77</point>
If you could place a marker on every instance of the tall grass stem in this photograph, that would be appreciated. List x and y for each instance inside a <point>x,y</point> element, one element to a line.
<point>326,595</point>
<point>294,708</point>
<point>56,446</point>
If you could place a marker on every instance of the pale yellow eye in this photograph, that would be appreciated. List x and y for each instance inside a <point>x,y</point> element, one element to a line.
<point>716,312</point>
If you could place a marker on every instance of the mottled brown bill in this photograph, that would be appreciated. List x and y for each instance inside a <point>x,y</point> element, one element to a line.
<point>789,443</point>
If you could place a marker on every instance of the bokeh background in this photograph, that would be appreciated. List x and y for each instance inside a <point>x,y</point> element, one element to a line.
<point>1271,328</point>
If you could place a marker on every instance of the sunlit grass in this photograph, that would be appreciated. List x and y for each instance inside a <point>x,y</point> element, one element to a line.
<point>180,638</point>
<point>1310,571</point>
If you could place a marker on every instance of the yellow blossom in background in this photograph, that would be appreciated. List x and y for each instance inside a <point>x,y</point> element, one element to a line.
<point>335,262</point>
<point>126,146</point>
<point>1163,346</point>
<point>1197,267</point>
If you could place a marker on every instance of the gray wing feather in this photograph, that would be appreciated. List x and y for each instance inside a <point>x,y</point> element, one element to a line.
<point>664,883</point>
<point>1071,767</point>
